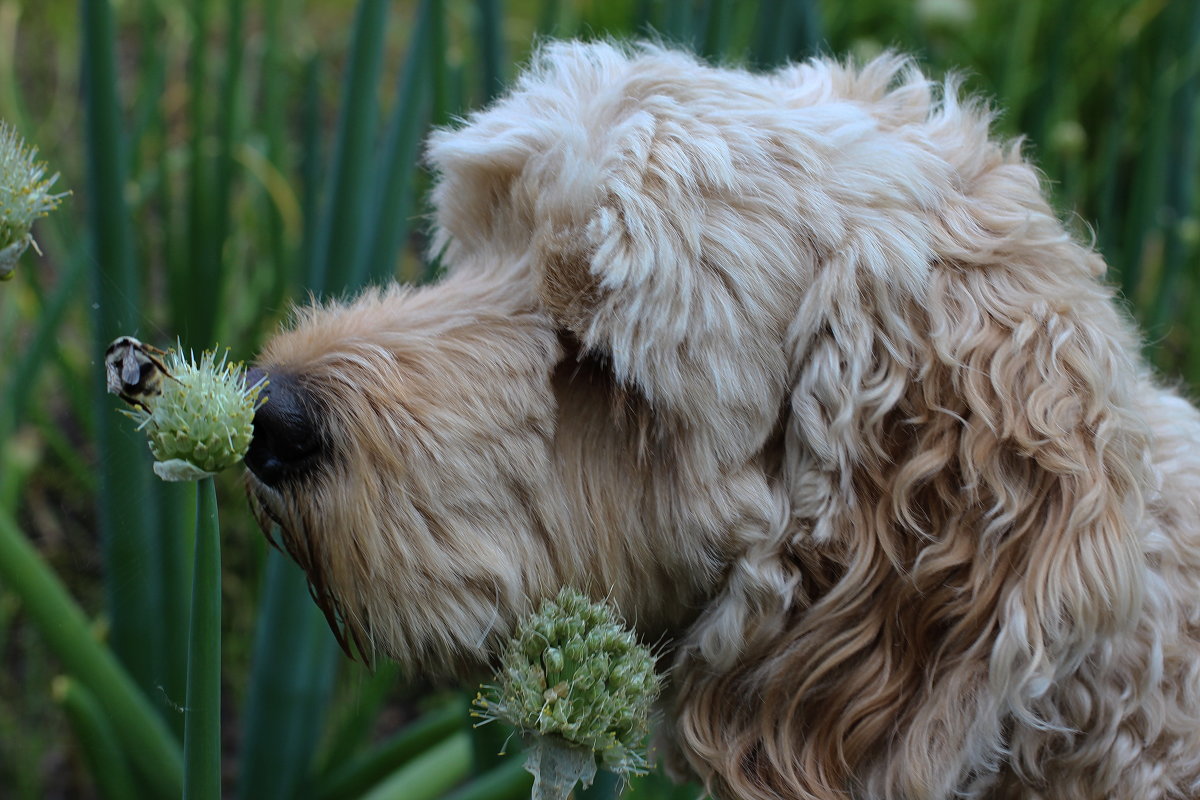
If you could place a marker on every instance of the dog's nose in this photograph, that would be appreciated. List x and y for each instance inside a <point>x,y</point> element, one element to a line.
<point>287,440</point>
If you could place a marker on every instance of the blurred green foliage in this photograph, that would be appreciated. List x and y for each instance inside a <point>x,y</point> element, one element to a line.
<point>228,157</point>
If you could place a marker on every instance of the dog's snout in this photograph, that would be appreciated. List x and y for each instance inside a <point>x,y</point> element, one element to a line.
<point>287,440</point>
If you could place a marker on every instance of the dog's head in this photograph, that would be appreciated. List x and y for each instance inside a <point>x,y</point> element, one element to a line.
<point>861,396</point>
<point>399,454</point>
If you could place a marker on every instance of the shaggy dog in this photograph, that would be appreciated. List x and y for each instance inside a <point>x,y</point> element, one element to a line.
<point>799,369</point>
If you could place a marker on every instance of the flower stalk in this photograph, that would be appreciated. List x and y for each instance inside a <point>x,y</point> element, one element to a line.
<point>198,417</point>
<point>202,713</point>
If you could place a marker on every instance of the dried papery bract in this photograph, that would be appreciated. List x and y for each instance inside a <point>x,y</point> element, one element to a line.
<point>579,687</point>
<point>24,197</point>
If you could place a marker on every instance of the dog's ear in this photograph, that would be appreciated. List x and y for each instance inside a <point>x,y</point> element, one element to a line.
<point>965,465</point>
<point>607,190</point>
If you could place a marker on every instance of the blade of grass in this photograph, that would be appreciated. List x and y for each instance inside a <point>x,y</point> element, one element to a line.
<point>273,102</point>
<point>60,621</point>
<point>441,82</point>
<point>357,775</point>
<point>606,786</point>
<point>806,31</point>
<point>439,78</point>
<point>394,191</point>
<point>152,76</point>
<point>97,742</point>
<point>340,236</point>
<point>548,18</point>
<point>1049,104</point>
<point>1181,178</point>
<point>78,473</point>
<point>1022,41</point>
<point>1108,166</point>
<point>656,784</point>
<point>311,175</point>
<point>125,503</point>
<point>187,311</point>
<point>716,30</point>
<point>491,46</point>
<point>77,394</point>
<point>489,745</point>
<point>24,374</point>
<point>509,781</point>
<point>772,32</point>
<point>644,18</point>
<point>213,279</point>
<point>199,289</point>
<point>291,680</point>
<point>355,717</point>
<point>617,18</point>
<point>202,714</point>
<point>11,97</point>
<point>1142,223</point>
<point>677,24</point>
<point>429,775</point>
<point>170,207</point>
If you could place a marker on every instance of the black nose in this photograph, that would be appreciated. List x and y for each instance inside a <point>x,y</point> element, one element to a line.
<point>287,438</point>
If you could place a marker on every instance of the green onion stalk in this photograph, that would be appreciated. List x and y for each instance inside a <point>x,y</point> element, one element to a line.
<point>199,420</point>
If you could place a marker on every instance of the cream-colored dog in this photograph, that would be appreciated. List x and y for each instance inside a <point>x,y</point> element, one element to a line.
<point>802,371</point>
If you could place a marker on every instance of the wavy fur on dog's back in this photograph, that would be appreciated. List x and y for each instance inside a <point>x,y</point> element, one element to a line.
<point>841,406</point>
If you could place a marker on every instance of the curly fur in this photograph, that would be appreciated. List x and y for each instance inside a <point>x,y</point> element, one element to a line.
<point>802,371</point>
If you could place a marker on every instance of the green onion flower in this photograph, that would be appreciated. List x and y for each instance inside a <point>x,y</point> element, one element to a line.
<point>578,686</point>
<point>202,421</point>
<point>24,196</point>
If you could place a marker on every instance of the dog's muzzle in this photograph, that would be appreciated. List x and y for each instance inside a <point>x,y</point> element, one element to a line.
<point>287,440</point>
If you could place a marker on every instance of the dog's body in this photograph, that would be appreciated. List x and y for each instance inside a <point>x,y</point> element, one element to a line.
<point>800,370</point>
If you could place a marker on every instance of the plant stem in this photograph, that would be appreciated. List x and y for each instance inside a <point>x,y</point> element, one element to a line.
<point>202,718</point>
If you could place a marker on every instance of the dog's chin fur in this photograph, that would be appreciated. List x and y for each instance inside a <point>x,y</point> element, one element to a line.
<point>801,370</point>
